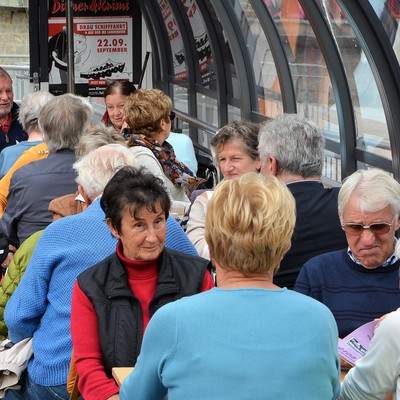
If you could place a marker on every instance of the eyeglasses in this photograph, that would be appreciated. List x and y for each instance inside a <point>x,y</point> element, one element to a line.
<point>377,228</point>
<point>172,116</point>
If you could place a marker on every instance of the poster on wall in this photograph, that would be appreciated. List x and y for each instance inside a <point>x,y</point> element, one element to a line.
<point>103,45</point>
<point>203,46</point>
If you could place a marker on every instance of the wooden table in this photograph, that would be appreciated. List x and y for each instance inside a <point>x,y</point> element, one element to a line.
<point>120,373</point>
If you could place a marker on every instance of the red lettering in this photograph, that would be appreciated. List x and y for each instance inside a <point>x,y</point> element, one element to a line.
<point>95,6</point>
<point>57,6</point>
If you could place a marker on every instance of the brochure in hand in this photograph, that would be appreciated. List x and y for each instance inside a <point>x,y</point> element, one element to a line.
<point>355,345</point>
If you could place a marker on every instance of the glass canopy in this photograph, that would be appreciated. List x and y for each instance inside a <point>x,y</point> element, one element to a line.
<point>335,62</point>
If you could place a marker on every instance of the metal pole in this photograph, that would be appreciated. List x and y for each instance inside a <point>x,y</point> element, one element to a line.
<point>70,43</point>
<point>146,59</point>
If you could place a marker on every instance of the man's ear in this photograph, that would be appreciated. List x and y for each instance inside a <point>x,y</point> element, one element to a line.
<point>274,165</point>
<point>269,166</point>
<point>397,224</point>
<point>82,192</point>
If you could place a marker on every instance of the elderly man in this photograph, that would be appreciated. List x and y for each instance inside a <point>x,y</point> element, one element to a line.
<point>292,149</point>
<point>10,129</point>
<point>361,282</point>
<point>62,121</point>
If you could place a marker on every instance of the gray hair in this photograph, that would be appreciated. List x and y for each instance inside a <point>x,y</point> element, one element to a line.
<point>374,188</point>
<point>245,131</point>
<point>29,109</point>
<point>62,121</point>
<point>96,168</point>
<point>296,143</point>
<point>96,136</point>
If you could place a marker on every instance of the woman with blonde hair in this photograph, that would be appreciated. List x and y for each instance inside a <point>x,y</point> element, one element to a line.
<point>247,338</point>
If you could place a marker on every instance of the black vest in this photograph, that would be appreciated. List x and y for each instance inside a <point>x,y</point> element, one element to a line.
<point>119,312</point>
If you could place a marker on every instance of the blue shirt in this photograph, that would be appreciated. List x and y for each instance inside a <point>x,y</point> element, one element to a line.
<point>184,150</point>
<point>238,344</point>
<point>10,154</point>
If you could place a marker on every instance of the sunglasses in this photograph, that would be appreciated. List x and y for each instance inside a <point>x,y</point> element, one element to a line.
<point>172,116</point>
<point>377,228</point>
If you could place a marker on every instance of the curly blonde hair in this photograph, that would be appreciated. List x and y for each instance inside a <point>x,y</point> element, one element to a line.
<point>249,223</point>
<point>144,110</point>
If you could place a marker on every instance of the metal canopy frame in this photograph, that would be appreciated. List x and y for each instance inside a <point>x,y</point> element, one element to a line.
<point>222,24</point>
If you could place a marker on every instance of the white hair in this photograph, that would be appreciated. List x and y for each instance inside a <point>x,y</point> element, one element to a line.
<point>99,166</point>
<point>375,190</point>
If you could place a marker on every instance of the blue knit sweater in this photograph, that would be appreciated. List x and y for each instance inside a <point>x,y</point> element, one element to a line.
<point>238,344</point>
<point>354,294</point>
<point>40,306</point>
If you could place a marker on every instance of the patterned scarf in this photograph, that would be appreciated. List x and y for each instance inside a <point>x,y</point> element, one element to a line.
<point>178,173</point>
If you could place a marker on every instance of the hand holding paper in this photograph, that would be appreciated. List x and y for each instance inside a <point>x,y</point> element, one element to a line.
<point>355,345</point>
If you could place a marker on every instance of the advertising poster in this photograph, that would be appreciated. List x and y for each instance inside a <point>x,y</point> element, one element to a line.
<point>103,44</point>
<point>203,47</point>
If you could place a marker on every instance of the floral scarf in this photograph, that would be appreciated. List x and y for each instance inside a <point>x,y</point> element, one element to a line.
<point>178,173</point>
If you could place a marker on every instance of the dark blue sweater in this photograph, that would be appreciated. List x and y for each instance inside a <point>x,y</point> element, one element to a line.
<point>354,294</point>
<point>15,131</point>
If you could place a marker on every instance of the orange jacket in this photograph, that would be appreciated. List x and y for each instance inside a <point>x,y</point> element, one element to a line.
<point>33,154</point>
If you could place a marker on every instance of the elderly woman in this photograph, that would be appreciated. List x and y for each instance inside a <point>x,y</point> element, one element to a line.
<point>113,301</point>
<point>31,104</point>
<point>149,115</point>
<point>115,96</point>
<point>247,338</point>
<point>236,152</point>
<point>96,136</point>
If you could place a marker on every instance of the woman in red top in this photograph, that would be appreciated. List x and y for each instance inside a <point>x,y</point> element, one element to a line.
<point>113,301</point>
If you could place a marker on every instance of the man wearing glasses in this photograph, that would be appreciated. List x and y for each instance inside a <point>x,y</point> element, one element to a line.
<point>360,283</point>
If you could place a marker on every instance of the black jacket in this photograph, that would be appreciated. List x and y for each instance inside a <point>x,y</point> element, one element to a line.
<point>15,130</point>
<point>119,312</point>
<point>317,228</point>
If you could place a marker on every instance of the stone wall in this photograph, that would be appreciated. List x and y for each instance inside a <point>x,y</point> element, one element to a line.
<point>14,3</point>
<point>14,38</point>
